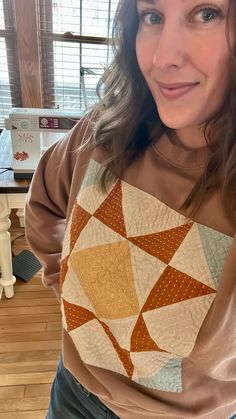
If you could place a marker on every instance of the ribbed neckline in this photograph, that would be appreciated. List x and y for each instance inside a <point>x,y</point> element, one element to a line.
<point>179,156</point>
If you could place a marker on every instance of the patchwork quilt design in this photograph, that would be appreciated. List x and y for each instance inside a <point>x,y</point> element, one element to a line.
<point>137,279</point>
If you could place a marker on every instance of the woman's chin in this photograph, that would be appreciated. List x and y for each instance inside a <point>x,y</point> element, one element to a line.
<point>176,122</point>
<point>173,124</point>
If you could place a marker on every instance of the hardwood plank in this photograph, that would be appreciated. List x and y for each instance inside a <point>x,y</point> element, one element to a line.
<point>31,294</point>
<point>36,414</point>
<point>15,311</point>
<point>31,288</point>
<point>26,378</point>
<point>12,392</point>
<point>34,302</point>
<point>15,405</point>
<point>36,280</point>
<point>33,390</point>
<point>29,403</point>
<point>20,319</point>
<point>54,326</point>
<point>33,366</point>
<point>30,346</point>
<point>39,356</point>
<point>30,327</point>
<point>34,336</point>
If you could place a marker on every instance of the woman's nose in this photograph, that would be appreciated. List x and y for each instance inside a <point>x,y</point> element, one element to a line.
<point>171,48</point>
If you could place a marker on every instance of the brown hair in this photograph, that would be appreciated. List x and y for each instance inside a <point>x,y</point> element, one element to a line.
<point>127,120</point>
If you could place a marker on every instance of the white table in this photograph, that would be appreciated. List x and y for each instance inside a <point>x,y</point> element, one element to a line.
<point>12,195</point>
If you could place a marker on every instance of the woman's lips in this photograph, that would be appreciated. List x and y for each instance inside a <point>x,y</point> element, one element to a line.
<point>174,91</point>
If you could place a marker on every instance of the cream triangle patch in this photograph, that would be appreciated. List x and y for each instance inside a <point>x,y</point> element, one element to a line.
<point>91,198</point>
<point>175,327</point>
<point>96,234</point>
<point>122,330</point>
<point>95,348</point>
<point>191,260</point>
<point>145,214</point>
<point>147,364</point>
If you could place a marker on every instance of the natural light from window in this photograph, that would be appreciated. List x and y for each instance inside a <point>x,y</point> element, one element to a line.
<point>91,18</point>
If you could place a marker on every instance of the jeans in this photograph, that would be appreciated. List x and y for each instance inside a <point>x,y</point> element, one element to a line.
<point>70,400</point>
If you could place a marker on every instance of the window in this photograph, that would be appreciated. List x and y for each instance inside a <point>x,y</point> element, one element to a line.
<point>74,49</point>
<point>10,92</point>
<point>57,60</point>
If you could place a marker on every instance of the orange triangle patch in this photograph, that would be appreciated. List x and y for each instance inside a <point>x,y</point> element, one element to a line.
<point>141,340</point>
<point>80,218</point>
<point>174,286</point>
<point>76,316</point>
<point>110,211</point>
<point>162,245</point>
<point>123,354</point>
<point>63,270</point>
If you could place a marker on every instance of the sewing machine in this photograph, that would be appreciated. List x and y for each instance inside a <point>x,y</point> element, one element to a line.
<point>33,130</point>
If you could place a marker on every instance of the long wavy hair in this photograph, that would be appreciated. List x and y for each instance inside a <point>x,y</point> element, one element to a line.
<point>125,120</point>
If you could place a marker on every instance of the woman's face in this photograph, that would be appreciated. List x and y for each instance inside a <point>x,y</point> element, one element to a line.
<point>183,55</point>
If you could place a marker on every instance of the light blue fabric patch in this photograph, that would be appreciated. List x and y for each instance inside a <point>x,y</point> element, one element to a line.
<point>167,379</point>
<point>93,174</point>
<point>216,248</point>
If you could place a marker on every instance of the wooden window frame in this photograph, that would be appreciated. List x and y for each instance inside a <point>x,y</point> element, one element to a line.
<point>10,42</point>
<point>28,43</point>
<point>29,48</point>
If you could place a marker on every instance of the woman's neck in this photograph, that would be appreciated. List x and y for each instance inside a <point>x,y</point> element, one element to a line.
<point>189,137</point>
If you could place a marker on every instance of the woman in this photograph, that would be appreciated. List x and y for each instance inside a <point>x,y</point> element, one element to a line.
<point>141,196</point>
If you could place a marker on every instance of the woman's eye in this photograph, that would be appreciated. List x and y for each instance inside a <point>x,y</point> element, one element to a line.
<point>150,18</point>
<point>206,15</point>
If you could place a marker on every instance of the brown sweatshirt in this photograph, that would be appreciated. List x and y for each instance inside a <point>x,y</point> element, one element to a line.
<point>148,296</point>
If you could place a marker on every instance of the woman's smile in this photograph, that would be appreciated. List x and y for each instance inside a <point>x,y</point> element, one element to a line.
<point>176,90</point>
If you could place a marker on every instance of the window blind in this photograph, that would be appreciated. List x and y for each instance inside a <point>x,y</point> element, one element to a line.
<point>74,48</point>
<point>10,92</point>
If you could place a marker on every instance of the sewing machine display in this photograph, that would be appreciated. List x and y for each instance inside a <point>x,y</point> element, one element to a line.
<point>33,130</point>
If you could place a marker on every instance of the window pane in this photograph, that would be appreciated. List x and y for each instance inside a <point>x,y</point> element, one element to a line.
<point>67,75</point>
<point>66,16</point>
<point>84,17</point>
<point>71,70</point>
<point>96,18</point>
<point>77,69</point>
<point>2,24</point>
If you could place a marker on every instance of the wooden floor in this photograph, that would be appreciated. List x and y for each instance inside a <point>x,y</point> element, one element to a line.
<point>30,343</point>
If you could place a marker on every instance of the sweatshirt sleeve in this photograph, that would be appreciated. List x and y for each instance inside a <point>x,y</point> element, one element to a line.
<point>46,206</point>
